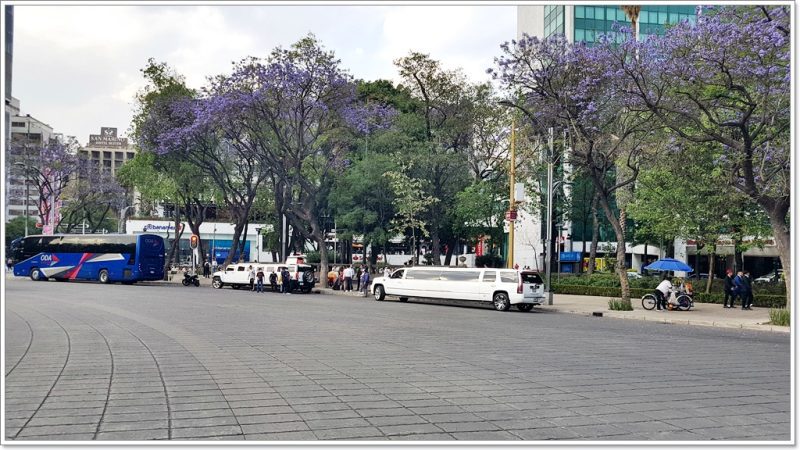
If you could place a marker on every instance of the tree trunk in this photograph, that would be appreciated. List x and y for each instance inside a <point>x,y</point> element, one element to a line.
<point>595,235</point>
<point>436,250</point>
<point>782,238</point>
<point>450,248</point>
<point>711,260</point>
<point>237,233</point>
<point>619,231</point>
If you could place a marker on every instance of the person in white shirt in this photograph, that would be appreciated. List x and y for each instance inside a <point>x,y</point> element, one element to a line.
<point>348,279</point>
<point>662,292</point>
<point>387,272</point>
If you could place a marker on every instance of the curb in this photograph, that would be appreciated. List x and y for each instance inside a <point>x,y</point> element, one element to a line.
<point>705,323</point>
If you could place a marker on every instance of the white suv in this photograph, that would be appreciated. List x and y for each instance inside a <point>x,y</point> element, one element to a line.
<point>238,276</point>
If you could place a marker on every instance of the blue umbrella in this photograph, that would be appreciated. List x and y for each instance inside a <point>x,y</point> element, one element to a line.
<point>669,264</point>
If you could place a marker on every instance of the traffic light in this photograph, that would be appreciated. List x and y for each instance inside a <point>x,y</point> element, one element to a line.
<point>193,241</point>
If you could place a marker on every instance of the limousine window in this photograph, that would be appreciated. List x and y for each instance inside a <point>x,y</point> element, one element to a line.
<point>423,275</point>
<point>461,275</point>
<point>240,269</point>
<point>397,274</point>
<point>490,276</point>
<point>531,278</point>
<point>508,277</point>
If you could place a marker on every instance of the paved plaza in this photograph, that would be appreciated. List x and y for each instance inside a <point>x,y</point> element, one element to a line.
<point>86,361</point>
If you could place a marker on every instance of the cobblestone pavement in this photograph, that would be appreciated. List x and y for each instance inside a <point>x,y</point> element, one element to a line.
<point>86,361</point>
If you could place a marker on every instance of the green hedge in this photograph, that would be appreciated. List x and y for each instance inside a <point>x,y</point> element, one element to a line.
<point>764,301</point>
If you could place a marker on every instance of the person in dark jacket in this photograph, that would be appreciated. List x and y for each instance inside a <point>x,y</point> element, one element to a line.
<point>286,281</point>
<point>739,289</point>
<point>273,281</point>
<point>728,289</point>
<point>747,299</point>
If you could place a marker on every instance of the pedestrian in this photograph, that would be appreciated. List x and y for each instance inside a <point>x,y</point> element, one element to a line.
<point>739,289</point>
<point>206,269</point>
<point>348,278</point>
<point>748,289</point>
<point>260,280</point>
<point>285,278</point>
<point>662,292</point>
<point>387,272</point>
<point>364,282</point>
<point>358,278</point>
<point>273,281</point>
<point>727,288</point>
<point>252,276</point>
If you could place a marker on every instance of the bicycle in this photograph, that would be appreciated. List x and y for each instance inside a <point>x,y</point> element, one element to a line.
<point>683,302</point>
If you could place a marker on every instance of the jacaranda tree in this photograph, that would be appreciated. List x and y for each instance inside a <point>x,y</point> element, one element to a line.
<point>724,80</point>
<point>568,87</point>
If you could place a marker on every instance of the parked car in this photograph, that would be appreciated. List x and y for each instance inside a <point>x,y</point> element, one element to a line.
<point>771,277</point>
<point>237,276</point>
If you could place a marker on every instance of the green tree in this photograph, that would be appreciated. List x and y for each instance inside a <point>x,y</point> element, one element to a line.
<point>15,228</point>
<point>410,202</point>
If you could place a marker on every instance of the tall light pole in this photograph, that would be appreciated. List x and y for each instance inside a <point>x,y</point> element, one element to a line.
<point>549,249</point>
<point>512,210</point>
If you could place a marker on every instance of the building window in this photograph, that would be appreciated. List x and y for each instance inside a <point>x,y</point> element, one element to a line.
<point>553,20</point>
<point>18,124</point>
<point>593,21</point>
<point>130,155</point>
<point>106,155</point>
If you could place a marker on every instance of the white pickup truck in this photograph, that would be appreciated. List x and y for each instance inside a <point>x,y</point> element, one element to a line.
<point>238,276</point>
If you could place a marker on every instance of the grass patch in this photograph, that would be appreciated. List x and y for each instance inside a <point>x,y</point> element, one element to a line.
<point>779,317</point>
<point>617,304</point>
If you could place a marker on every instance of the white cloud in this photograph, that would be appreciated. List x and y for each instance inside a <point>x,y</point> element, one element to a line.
<point>78,67</point>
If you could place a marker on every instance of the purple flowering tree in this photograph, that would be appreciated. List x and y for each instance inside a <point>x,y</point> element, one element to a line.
<point>724,80</point>
<point>92,196</point>
<point>565,86</point>
<point>48,169</point>
<point>294,114</point>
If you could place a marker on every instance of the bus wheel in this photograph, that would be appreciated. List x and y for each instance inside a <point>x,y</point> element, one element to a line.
<point>217,283</point>
<point>501,302</point>
<point>103,276</point>
<point>35,273</point>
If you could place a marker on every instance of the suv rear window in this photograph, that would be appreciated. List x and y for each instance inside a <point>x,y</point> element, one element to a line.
<point>531,278</point>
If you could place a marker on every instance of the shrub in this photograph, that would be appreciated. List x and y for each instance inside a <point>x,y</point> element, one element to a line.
<point>762,301</point>
<point>616,304</point>
<point>779,317</point>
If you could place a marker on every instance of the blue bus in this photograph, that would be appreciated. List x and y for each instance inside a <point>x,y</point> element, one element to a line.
<point>106,258</point>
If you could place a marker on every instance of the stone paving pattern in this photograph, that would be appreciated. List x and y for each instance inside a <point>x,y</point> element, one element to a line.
<point>92,362</point>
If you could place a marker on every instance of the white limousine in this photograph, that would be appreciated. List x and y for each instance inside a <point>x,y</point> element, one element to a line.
<point>503,287</point>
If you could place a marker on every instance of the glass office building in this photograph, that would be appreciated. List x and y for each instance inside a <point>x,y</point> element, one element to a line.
<point>584,23</point>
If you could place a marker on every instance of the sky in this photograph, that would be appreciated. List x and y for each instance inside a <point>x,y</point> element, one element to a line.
<point>77,68</point>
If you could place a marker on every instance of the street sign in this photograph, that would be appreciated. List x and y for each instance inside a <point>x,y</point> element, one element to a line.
<point>511,215</point>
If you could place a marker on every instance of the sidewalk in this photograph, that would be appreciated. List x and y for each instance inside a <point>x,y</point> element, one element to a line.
<point>703,314</point>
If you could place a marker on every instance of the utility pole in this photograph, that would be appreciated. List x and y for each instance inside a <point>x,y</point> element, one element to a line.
<point>511,203</point>
<point>549,250</point>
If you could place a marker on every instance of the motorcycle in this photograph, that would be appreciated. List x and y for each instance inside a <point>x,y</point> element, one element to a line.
<point>190,279</point>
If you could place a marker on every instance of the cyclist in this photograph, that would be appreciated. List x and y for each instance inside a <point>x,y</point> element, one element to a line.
<point>662,292</point>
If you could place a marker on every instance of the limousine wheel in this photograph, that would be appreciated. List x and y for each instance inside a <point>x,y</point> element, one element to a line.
<point>379,293</point>
<point>217,283</point>
<point>501,302</point>
<point>403,299</point>
<point>103,276</point>
<point>524,307</point>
